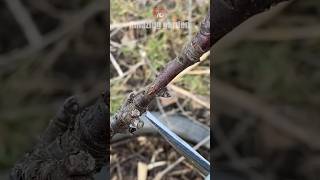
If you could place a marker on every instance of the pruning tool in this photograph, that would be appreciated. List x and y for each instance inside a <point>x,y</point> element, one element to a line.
<point>181,146</point>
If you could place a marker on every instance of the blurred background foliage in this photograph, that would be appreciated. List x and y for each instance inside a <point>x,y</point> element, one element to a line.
<point>266,122</point>
<point>36,77</point>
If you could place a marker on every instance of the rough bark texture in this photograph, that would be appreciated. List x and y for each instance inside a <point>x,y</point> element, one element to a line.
<point>72,147</point>
<point>225,16</point>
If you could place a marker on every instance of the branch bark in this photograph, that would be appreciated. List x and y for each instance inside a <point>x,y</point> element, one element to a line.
<point>225,16</point>
<point>72,147</point>
<point>228,14</point>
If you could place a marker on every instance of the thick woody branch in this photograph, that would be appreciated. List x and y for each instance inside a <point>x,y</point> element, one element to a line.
<point>228,14</point>
<point>72,147</point>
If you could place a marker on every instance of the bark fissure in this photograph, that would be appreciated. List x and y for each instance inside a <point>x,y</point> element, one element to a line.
<point>72,147</point>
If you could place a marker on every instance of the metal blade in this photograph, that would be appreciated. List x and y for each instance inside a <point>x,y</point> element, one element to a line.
<point>180,145</point>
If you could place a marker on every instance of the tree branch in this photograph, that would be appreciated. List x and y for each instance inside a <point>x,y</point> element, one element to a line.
<point>136,104</point>
<point>228,14</point>
<point>225,16</point>
<point>72,147</point>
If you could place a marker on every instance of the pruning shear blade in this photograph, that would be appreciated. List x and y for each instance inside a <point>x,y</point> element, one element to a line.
<point>180,145</point>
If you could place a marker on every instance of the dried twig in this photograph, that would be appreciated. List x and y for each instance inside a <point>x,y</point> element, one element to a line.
<point>266,113</point>
<point>198,99</point>
<point>188,69</point>
<point>142,171</point>
<point>156,164</point>
<point>234,156</point>
<point>116,65</point>
<point>128,72</point>
<point>155,154</point>
<point>119,171</point>
<point>173,165</point>
<point>71,23</point>
<point>237,133</point>
<point>199,72</point>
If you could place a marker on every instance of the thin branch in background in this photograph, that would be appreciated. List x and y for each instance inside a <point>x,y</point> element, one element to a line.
<point>196,98</point>
<point>9,59</point>
<point>128,72</point>
<point>160,175</point>
<point>54,54</point>
<point>126,159</point>
<point>182,173</point>
<point>202,58</point>
<point>119,171</point>
<point>49,9</point>
<point>155,154</point>
<point>116,65</point>
<point>142,171</point>
<point>199,72</point>
<point>236,135</point>
<point>25,21</point>
<point>265,112</point>
<point>181,108</point>
<point>143,55</point>
<point>162,111</point>
<point>234,156</point>
<point>114,32</point>
<point>156,164</point>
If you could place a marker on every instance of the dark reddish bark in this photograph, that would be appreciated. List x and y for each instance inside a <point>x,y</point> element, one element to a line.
<point>228,14</point>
